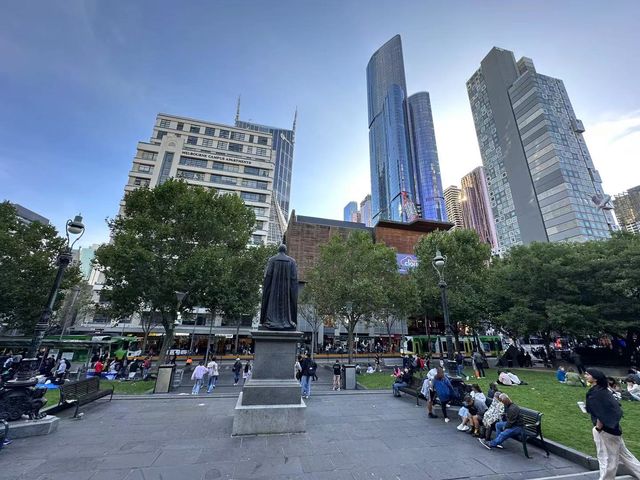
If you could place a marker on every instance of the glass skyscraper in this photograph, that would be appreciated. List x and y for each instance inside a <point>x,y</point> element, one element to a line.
<point>542,182</point>
<point>476,209</point>
<point>405,172</point>
<point>351,212</point>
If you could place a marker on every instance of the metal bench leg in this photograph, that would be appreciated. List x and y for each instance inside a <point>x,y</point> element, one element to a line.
<point>544,444</point>
<point>524,445</point>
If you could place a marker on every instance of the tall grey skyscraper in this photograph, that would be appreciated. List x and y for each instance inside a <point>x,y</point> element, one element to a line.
<point>283,141</point>
<point>541,179</point>
<point>405,173</point>
<point>365,210</point>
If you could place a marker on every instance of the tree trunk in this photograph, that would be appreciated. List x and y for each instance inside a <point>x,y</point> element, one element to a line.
<point>426,330</point>
<point>313,337</point>
<point>350,328</point>
<point>168,339</point>
<point>238,334</point>
<point>145,337</point>
<point>551,355</point>
<point>389,334</point>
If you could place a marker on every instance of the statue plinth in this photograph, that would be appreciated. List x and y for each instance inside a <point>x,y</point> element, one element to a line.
<point>270,402</point>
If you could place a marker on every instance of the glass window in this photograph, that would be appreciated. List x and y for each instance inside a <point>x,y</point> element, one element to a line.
<point>224,134</point>
<point>222,145</point>
<point>207,142</point>
<point>190,175</point>
<point>261,151</point>
<point>237,136</point>
<point>193,162</point>
<point>256,171</point>
<point>161,133</point>
<point>148,155</point>
<point>209,131</point>
<point>164,123</point>
<point>249,149</point>
<point>194,129</point>
<point>141,182</point>
<point>180,126</point>
<point>225,166</point>
<point>260,211</point>
<point>250,138</point>
<point>253,197</point>
<point>257,239</point>
<point>144,168</point>
<point>192,140</point>
<point>235,147</point>
<point>224,179</point>
<point>263,140</point>
<point>254,184</point>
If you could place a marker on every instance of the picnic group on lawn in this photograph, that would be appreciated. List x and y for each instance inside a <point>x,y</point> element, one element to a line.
<point>481,415</point>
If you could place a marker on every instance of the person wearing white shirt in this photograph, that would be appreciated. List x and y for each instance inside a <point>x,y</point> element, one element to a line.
<point>198,375</point>
<point>428,392</point>
<point>213,371</point>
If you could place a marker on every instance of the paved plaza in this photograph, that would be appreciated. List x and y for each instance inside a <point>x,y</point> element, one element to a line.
<point>350,435</point>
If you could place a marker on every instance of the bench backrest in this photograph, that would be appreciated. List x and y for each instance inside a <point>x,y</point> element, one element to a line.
<point>79,389</point>
<point>532,420</point>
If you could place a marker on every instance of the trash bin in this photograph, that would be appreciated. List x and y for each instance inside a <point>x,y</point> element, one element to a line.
<point>164,380</point>
<point>349,377</point>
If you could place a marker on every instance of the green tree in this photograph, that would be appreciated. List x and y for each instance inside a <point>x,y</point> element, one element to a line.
<point>28,268</point>
<point>156,241</point>
<point>351,279</point>
<point>308,310</point>
<point>465,274</point>
<point>537,289</point>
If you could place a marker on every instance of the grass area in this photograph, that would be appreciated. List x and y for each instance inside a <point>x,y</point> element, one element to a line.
<point>563,421</point>
<point>120,388</point>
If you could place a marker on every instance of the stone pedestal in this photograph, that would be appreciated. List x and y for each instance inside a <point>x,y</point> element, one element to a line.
<point>270,401</point>
<point>32,428</point>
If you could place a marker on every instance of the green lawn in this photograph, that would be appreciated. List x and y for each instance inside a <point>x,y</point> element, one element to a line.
<point>120,388</point>
<point>563,421</point>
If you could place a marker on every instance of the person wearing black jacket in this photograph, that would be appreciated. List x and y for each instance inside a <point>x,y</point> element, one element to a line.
<point>402,381</point>
<point>308,371</point>
<point>605,414</point>
<point>512,427</point>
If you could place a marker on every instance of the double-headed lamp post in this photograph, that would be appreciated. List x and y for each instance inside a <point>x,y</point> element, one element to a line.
<point>73,227</point>
<point>439,262</point>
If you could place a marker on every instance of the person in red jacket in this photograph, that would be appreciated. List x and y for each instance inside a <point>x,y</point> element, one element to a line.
<point>99,367</point>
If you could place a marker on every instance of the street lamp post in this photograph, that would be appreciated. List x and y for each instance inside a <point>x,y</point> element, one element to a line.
<point>439,263</point>
<point>179,297</point>
<point>73,227</point>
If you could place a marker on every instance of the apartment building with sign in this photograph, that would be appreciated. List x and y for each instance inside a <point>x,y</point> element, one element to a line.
<point>228,159</point>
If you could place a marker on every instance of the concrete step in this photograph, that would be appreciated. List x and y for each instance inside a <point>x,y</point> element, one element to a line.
<point>582,476</point>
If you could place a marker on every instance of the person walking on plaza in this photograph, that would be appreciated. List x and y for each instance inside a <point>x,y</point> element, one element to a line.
<point>605,414</point>
<point>336,375</point>
<point>213,372</point>
<point>444,391</point>
<point>297,369</point>
<point>246,374</point>
<point>428,392</point>
<point>198,375</point>
<point>61,371</point>
<point>308,370</point>
<point>237,368</point>
<point>511,427</point>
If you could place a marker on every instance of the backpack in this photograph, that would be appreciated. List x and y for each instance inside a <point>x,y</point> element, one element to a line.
<point>312,368</point>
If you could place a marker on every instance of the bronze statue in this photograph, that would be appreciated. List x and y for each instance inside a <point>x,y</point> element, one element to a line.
<point>279,309</point>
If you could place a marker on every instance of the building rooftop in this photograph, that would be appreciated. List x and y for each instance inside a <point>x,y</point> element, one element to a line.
<point>419,225</point>
<point>327,222</point>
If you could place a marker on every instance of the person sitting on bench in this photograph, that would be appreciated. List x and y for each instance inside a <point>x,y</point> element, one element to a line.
<point>512,427</point>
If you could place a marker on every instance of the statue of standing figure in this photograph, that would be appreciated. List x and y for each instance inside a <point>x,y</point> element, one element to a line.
<point>279,310</point>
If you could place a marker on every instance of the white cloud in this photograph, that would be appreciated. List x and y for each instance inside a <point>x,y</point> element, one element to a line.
<point>614,144</point>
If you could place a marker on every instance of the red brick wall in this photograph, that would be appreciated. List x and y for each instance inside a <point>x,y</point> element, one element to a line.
<point>404,241</point>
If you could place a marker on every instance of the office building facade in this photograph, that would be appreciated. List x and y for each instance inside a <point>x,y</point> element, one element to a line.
<point>627,209</point>
<point>351,212</point>
<point>282,143</point>
<point>228,159</point>
<point>365,210</point>
<point>29,216</point>
<point>476,209</point>
<point>541,179</point>
<point>452,205</point>
<point>405,172</point>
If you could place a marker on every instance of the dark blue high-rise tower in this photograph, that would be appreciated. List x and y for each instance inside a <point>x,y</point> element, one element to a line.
<point>405,172</point>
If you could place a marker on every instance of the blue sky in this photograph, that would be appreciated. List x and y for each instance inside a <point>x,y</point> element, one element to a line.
<point>81,83</point>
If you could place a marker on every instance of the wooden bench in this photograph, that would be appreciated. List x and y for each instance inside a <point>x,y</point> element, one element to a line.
<point>83,392</point>
<point>532,428</point>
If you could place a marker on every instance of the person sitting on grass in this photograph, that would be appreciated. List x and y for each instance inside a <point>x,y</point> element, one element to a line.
<point>493,414</point>
<point>614,388</point>
<point>512,427</point>
<point>401,382</point>
<point>633,388</point>
<point>573,379</point>
<point>561,374</point>
<point>370,368</point>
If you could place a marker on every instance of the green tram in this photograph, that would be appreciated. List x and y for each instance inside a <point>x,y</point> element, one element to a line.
<point>78,348</point>
<point>491,345</point>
